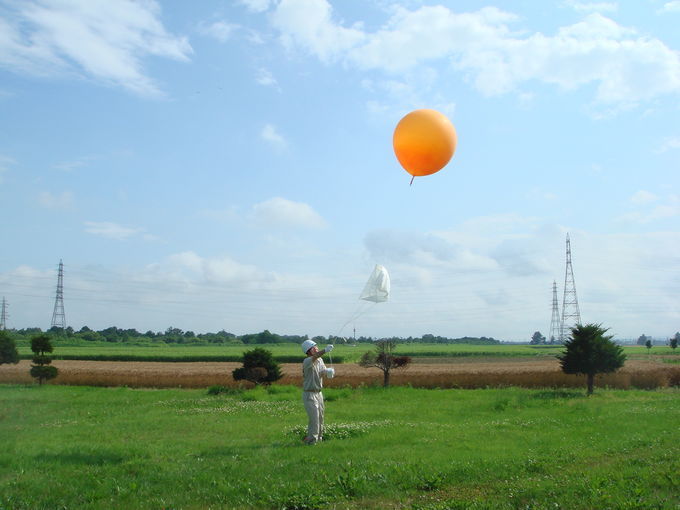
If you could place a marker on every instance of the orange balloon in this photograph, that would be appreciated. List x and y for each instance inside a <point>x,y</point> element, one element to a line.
<point>424,142</point>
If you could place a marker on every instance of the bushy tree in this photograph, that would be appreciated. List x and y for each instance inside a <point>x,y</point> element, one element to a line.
<point>259,367</point>
<point>537,338</point>
<point>41,369</point>
<point>383,358</point>
<point>674,341</point>
<point>648,344</point>
<point>8,349</point>
<point>589,351</point>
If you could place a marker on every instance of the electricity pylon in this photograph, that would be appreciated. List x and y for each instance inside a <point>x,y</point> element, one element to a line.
<point>58,316</point>
<point>555,321</point>
<point>571,315</point>
<point>3,315</point>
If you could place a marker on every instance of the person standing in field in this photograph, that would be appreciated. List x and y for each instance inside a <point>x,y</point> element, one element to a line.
<point>313,372</point>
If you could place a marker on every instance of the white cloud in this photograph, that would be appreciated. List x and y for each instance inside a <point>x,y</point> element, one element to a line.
<point>424,254</point>
<point>256,5</point>
<point>308,24</point>
<point>537,193</point>
<point>410,247</point>
<point>265,78</point>
<point>521,257</point>
<point>643,197</point>
<point>626,67</point>
<point>111,230</point>
<point>282,213</point>
<point>673,6</point>
<point>215,270</point>
<point>669,143</point>
<point>69,166</point>
<point>220,30</point>
<point>61,201</point>
<point>592,6</point>
<point>93,38</point>
<point>5,163</point>
<point>270,134</point>
<point>670,208</point>
<point>408,92</point>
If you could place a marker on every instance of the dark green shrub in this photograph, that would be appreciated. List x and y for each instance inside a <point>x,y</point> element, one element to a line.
<point>41,369</point>
<point>8,349</point>
<point>259,367</point>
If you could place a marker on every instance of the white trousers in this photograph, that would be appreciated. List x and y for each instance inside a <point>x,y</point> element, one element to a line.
<point>315,408</point>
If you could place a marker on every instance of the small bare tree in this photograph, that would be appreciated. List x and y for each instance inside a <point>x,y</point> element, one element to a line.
<point>384,359</point>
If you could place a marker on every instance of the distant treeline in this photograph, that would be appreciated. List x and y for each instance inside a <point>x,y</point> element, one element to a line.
<point>177,336</point>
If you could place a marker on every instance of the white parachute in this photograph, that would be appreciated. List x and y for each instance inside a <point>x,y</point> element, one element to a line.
<point>377,287</point>
<point>376,290</point>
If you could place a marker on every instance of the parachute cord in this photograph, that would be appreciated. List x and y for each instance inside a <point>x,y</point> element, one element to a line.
<point>360,310</point>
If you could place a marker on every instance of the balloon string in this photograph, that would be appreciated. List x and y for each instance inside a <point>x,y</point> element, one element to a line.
<point>410,183</point>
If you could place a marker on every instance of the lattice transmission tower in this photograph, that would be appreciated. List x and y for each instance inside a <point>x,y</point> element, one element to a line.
<point>555,321</point>
<point>3,315</point>
<point>571,315</point>
<point>58,316</point>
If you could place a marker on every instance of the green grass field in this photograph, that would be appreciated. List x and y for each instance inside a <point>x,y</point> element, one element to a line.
<point>291,352</point>
<point>285,352</point>
<point>118,448</point>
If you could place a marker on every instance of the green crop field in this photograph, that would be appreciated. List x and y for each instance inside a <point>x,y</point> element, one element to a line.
<point>291,352</point>
<point>119,448</point>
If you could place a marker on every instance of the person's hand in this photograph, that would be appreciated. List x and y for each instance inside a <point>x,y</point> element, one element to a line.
<point>328,348</point>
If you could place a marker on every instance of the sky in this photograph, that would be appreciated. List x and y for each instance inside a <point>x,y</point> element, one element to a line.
<point>229,165</point>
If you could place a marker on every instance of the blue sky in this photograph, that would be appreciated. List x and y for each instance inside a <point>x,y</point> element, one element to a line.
<point>228,164</point>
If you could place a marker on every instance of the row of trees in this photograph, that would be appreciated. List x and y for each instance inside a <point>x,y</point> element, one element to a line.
<point>177,336</point>
<point>118,335</point>
<point>537,339</point>
<point>648,341</point>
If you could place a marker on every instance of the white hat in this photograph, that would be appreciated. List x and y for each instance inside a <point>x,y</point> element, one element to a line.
<point>307,344</point>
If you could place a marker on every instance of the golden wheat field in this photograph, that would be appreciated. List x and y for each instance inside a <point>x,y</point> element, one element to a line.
<point>425,373</point>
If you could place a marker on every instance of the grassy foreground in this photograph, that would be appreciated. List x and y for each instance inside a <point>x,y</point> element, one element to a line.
<point>118,448</point>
